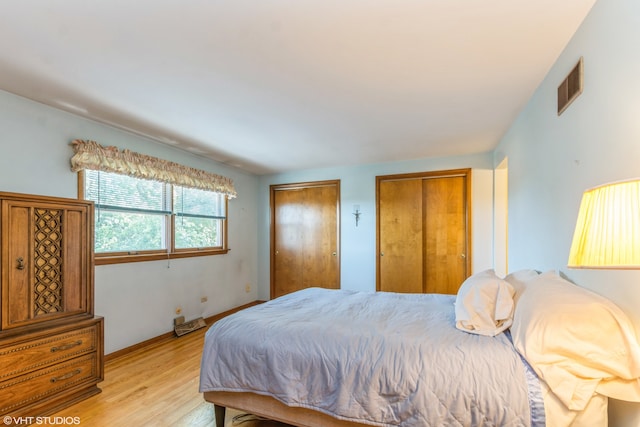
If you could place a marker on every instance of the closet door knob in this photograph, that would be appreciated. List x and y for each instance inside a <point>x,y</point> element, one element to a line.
<point>20,261</point>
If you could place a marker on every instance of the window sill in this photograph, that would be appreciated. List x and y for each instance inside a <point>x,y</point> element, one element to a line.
<point>120,259</point>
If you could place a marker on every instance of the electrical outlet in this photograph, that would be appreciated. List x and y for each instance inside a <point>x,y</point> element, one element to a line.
<point>204,299</point>
<point>178,310</point>
<point>247,287</point>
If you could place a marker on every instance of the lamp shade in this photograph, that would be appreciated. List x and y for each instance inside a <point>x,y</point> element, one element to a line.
<point>607,233</point>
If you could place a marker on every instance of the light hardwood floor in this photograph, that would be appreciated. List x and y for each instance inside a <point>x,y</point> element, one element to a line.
<point>156,385</point>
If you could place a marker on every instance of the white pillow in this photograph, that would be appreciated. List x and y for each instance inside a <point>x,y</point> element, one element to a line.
<point>578,342</point>
<point>518,279</point>
<point>484,304</point>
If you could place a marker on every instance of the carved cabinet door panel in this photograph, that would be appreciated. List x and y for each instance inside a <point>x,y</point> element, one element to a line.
<point>46,262</point>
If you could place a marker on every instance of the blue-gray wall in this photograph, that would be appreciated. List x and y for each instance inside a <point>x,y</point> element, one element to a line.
<point>553,159</point>
<point>138,300</point>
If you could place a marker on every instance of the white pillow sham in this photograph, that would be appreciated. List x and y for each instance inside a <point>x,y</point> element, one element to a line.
<point>578,342</point>
<point>519,279</point>
<point>484,304</point>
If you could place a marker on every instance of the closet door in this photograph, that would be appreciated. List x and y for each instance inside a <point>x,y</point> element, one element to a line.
<point>445,234</point>
<point>401,236</point>
<point>423,232</point>
<point>304,236</point>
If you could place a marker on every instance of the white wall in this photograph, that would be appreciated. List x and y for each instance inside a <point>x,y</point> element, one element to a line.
<point>138,300</point>
<point>552,159</point>
<point>357,187</point>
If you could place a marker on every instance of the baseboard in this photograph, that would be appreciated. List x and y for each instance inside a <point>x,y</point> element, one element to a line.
<point>172,335</point>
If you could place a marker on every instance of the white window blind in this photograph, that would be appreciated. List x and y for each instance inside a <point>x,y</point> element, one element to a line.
<point>124,193</point>
<point>191,202</point>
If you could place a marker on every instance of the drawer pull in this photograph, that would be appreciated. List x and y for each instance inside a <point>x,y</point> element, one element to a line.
<point>65,376</point>
<point>66,346</point>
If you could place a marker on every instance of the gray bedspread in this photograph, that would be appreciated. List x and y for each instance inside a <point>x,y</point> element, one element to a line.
<point>378,358</point>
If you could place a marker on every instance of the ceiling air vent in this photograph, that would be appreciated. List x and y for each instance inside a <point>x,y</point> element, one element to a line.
<point>571,87</point>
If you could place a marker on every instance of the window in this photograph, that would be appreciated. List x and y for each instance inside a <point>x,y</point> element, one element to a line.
<point>199,214</point>
<point>138,219</point>
<point>149,208</point>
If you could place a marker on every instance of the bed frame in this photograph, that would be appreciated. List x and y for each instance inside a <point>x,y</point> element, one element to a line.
<point>268,407</point>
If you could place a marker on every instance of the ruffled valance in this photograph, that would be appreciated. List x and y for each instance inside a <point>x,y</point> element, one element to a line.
<point>93,156</point>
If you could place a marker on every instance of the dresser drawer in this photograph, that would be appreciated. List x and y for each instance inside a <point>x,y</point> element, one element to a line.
<point>34,386</point>
<point>30,355</point>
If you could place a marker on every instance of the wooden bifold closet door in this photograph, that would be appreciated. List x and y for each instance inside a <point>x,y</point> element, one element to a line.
<point>423,234</point>
<point>304,236</point>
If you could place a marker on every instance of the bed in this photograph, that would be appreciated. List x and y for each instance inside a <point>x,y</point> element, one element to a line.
<point>330,358</point>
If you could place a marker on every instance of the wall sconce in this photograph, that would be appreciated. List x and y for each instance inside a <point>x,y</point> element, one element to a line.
<point>607,232</point>
<point>356,213</point>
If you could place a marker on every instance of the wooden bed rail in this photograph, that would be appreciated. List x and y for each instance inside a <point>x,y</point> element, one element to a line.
<point>272,409</point>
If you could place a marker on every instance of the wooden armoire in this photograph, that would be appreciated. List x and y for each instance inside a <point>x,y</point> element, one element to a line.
<point>51,344</point>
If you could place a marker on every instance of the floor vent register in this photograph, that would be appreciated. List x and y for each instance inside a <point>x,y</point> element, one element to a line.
<point>181,327</point>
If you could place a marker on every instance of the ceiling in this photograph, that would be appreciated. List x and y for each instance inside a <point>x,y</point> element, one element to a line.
<point>278,85</point>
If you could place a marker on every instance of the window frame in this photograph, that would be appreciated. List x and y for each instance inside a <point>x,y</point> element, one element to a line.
<point>154,255</point>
